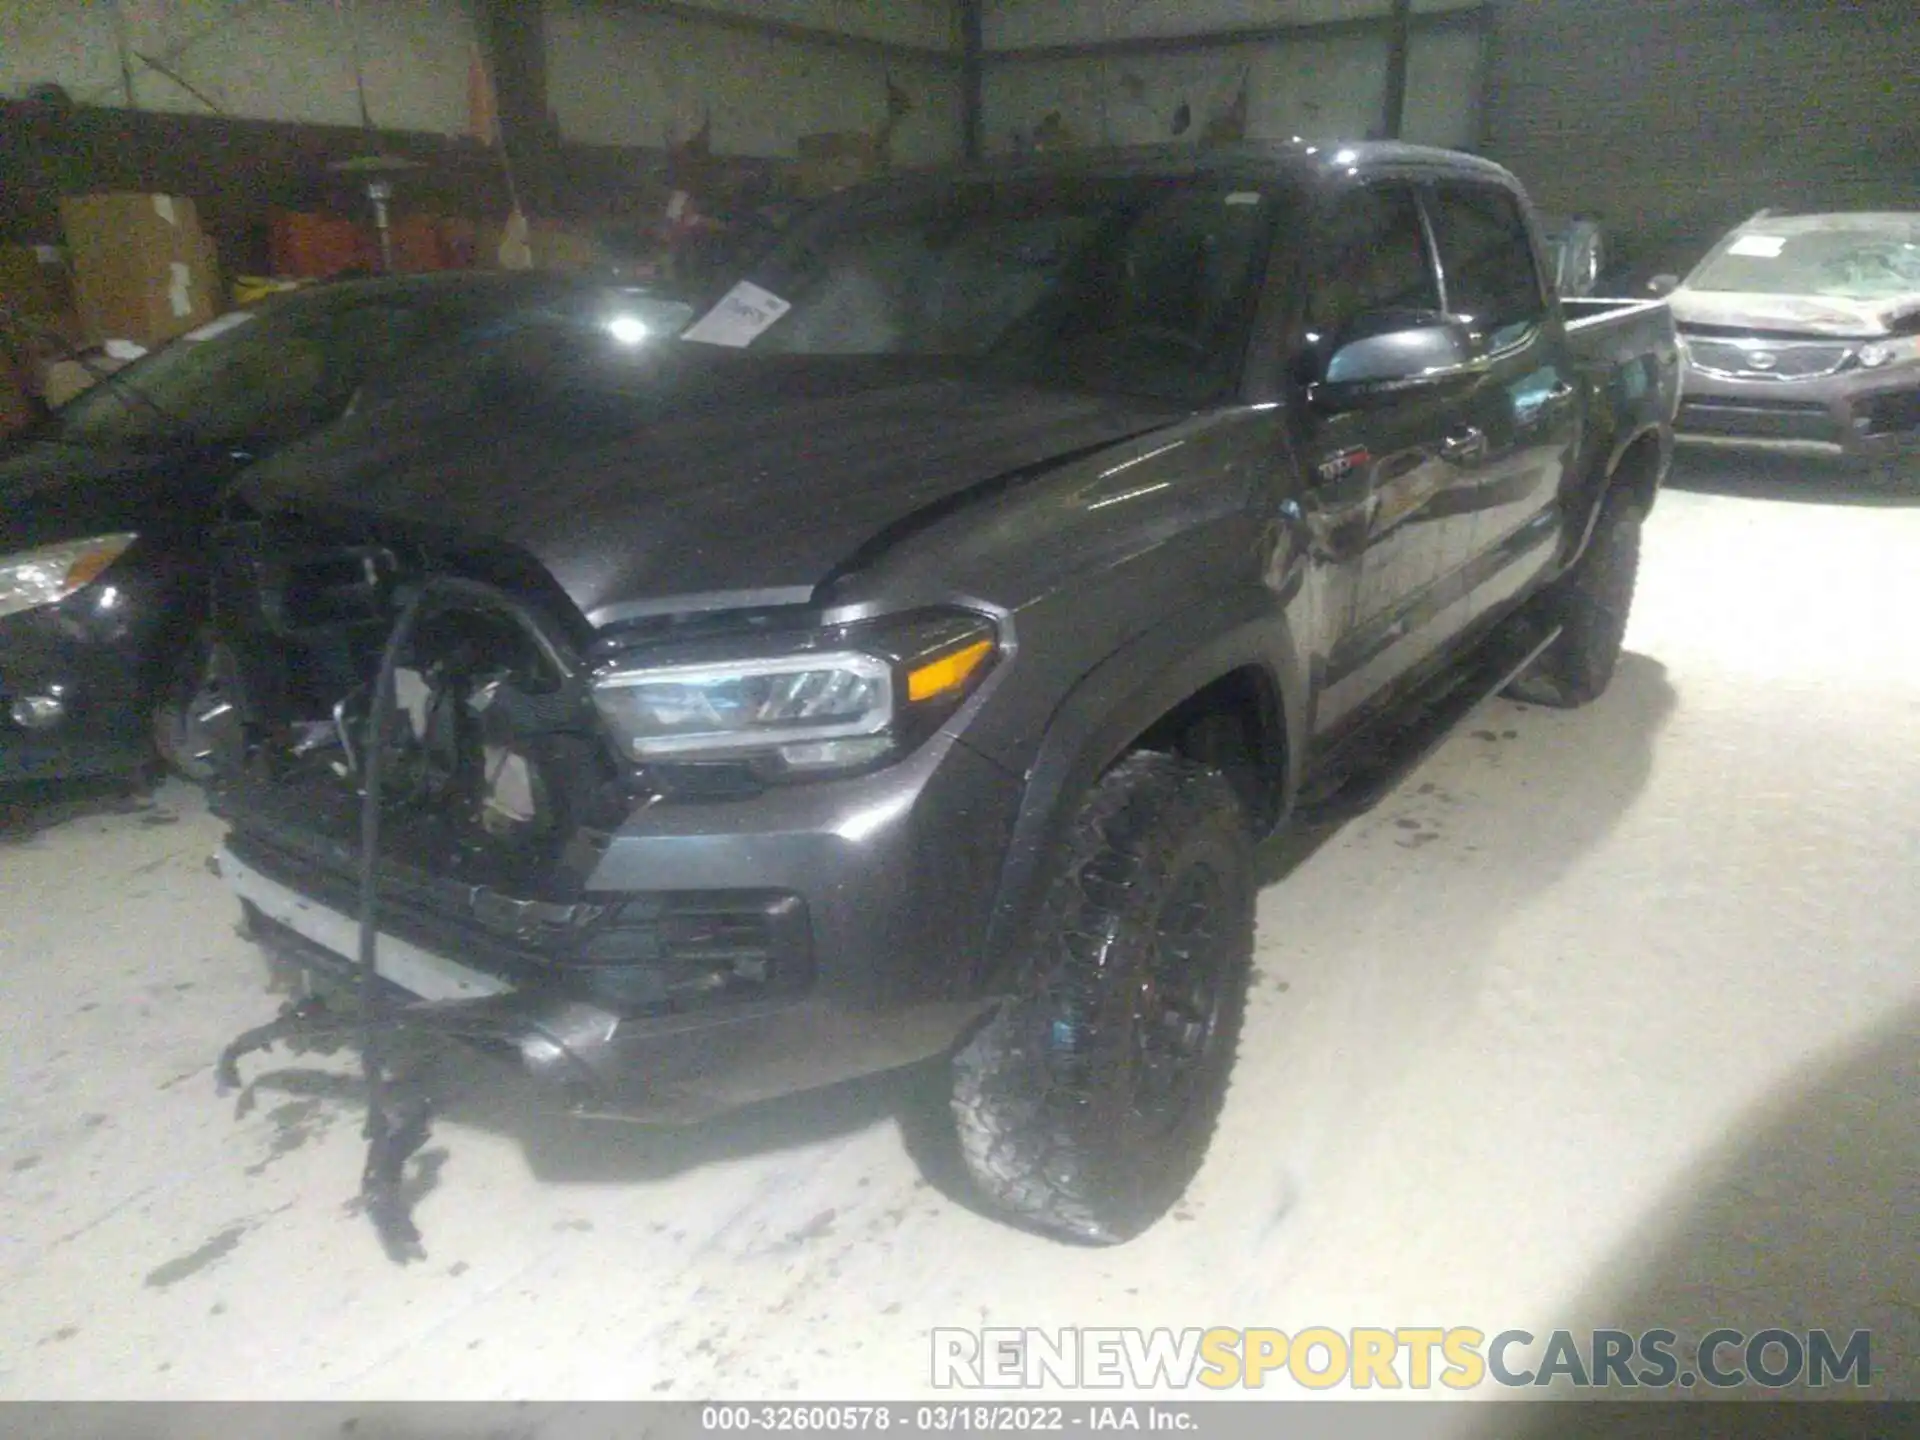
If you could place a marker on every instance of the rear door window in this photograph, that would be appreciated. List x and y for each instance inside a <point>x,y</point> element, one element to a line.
<point>1487,262</point>
<point>1370,255</point>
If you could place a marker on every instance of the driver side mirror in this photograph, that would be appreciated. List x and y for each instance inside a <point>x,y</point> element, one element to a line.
<point>1384,356</point>
<point>1663,285</point>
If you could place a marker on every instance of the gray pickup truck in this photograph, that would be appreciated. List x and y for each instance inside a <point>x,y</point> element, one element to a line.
<point>904,660</point>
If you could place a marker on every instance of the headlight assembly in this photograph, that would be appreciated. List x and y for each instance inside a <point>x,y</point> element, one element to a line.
<point>801,702</point>
<point>51,573</point>
<point>1881,353</point>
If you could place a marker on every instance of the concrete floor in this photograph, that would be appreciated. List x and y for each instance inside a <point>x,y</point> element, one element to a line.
<point>1608,1018</point>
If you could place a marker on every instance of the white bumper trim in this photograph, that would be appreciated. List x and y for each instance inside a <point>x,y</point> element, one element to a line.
<point>419,972</point>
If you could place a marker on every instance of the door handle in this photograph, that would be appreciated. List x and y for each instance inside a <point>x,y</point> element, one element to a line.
<point>1467,444</point>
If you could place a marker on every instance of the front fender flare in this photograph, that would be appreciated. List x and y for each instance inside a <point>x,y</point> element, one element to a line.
<point>1111,706</point>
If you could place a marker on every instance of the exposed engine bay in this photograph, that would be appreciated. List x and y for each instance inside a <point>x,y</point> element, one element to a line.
<point>376,691</point>
<point>494,761</point>
<point>428,758</point>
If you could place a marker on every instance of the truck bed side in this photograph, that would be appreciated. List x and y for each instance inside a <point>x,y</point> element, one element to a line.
<point>1628,354</point>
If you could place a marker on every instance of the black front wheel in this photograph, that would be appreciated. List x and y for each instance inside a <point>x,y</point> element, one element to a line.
<point>1086,1105</point>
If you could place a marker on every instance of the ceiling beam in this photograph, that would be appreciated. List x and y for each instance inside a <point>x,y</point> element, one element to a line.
<point>801,34</point>
<point>1419,22</point>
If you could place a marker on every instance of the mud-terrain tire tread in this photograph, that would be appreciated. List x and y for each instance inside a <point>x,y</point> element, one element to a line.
<point>1591,605</point>
<point>1024,1115</point>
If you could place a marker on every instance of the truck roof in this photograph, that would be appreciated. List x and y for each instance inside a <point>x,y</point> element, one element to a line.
<point>1291,159</point>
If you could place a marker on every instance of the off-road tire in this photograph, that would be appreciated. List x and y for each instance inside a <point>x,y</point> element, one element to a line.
<point>1590,604</point>
<point>1045,1094</point>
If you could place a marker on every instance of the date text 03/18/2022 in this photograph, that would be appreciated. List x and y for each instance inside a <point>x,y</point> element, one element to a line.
<point>944,1418</point>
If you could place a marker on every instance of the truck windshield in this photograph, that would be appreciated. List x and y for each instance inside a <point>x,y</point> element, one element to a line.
<point>1142,286</point>
<point>1848,259</point>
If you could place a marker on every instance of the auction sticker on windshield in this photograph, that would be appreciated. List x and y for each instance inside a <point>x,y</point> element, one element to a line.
<point>1764,247</point>
<point>742,314</point>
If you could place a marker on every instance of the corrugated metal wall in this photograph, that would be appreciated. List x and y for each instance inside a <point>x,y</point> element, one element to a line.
<point>1119,72</point>
<point>258,61</point>
<point>619,72</point>
<point>1675,119</point>
<point>625,75</point>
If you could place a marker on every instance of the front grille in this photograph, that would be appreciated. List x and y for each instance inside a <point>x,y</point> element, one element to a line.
<point>1758,358</point>
<point>1758,420</point>
<point>1892,414</point>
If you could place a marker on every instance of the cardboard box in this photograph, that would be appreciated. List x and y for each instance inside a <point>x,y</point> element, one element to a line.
<point>417,244</point>
<point>17,410</point>
<point>143,270</point>
<point>554,245</point>
<point>834,161</point>
<point>460,243</point>
<point>317,246</point>
<point>33,283</point>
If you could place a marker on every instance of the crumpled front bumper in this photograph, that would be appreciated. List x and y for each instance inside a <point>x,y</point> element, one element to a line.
<point>1858,415</point>
<point>666,1069</point>
<point>890,888</point>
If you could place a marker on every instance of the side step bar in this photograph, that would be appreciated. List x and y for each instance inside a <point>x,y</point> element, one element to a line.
<point>1383,755</point>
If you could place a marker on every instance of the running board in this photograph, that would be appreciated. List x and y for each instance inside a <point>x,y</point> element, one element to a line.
<point>1378,769</point>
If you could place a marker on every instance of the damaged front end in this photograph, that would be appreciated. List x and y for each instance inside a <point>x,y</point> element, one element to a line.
<point>441,787</point>
<point>414,745</point>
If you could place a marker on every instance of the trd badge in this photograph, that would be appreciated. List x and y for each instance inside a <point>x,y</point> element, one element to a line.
<point>1342,462</point>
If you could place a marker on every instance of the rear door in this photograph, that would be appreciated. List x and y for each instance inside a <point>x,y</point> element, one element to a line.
<point>1377,478</point>
<point>1520,426</point>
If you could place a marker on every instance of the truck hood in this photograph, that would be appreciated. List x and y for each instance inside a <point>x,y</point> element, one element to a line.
<point>1823,315</point>
<point>715,477</point>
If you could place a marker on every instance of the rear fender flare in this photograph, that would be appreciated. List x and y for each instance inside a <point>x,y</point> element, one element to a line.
<point>1111,707</point>
<point>1603,478</point>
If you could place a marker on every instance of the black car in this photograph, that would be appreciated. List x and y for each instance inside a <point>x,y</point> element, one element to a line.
<point>903,661</point>
<point>105,508</point>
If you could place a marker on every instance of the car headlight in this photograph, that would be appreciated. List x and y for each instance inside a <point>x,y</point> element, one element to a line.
<point>1882,353</point>
<point>801,702</point>
<point>51,573</point>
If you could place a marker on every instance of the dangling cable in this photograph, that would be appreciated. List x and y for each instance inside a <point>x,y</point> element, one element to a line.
<point>394,1132</point>
<point>390,1138</point>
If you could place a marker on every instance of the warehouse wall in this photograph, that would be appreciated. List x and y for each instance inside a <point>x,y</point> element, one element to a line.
<point>931,24</point>
<point>619,72</point>
<point>1675,119</point>
<point>629,75</point>
<point>257,59</point>
<point>1313,68</point>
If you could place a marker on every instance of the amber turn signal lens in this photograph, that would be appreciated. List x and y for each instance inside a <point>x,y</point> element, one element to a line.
<point>949,672</point>
<point>90,567</point>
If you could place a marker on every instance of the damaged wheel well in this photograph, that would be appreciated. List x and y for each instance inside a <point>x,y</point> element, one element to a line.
<point>1638,471</point>
<point>1234,725</point>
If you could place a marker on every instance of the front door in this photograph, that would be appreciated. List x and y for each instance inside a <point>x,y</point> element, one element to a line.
<point>1381,474</point>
